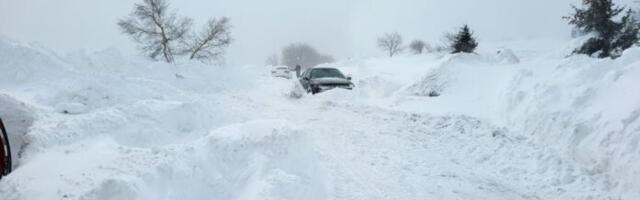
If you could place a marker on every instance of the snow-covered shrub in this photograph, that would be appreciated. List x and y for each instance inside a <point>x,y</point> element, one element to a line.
<point>432,85</point>
<point>506,56</point>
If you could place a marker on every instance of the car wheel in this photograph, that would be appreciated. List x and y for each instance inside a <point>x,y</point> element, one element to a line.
<point>315,90</point>
<point>5,152</point>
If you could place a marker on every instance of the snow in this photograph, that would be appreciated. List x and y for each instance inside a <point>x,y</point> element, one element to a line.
<point>517,120</point>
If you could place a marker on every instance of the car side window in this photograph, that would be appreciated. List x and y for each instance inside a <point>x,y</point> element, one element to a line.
<point>306,73</point>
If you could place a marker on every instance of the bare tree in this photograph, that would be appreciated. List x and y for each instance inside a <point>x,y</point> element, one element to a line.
<point>157,31</point>
<point>212,42</point>
<point>391,42</point>
<point>304,55</point>
<point>445,43</point>
<point>417,46</point>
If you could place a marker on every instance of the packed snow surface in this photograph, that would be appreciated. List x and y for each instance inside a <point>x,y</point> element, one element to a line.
<point>519,120</point>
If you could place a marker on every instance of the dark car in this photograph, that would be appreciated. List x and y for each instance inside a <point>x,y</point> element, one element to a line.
<point>316,80</point>
<point>5,152</point>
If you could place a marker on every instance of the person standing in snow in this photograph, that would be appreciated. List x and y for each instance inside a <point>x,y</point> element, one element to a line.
<point>298,68</point>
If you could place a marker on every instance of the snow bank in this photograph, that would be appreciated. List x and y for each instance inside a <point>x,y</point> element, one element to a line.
<point>253,160</point>
<point>17,118</point>
<point>507,56</point>
<point>580,113</point>
<point>465,84</point>
<point>105,126</point>
<point>584,111</point>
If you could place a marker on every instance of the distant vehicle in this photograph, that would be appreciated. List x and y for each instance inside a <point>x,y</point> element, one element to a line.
<point>5,152</point>
<point>316,80</point>
<point>281,72</point>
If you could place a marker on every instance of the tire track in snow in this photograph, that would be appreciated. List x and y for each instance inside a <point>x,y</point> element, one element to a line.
<point>378,154</point>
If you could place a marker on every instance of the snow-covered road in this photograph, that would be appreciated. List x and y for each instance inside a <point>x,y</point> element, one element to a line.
<point>377,154</point>
<point>105,126</point>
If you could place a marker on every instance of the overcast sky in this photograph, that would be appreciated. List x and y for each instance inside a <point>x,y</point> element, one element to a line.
<point>342,28</point>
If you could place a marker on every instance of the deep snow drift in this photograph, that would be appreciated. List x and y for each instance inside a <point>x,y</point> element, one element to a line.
<point>507,123</point>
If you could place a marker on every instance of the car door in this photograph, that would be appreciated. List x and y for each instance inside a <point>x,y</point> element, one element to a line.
<point>5,152</point>
<point>304,79</point>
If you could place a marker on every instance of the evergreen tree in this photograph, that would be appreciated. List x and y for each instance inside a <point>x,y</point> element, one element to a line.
<point>463,41</point>
<point>611,37</point>
<point>628,35</point>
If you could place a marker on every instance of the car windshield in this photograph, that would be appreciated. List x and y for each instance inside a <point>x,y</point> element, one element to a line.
<point>326,73</point>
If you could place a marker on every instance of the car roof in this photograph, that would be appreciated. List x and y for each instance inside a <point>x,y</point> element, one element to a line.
<point>323,68</point>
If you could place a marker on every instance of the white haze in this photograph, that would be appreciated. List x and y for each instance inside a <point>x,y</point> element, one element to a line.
<point>342,28</point>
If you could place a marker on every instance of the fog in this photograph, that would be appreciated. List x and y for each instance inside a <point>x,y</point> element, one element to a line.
<point>342,28</point>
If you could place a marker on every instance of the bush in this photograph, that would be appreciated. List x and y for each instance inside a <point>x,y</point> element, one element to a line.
<point>417,46</point>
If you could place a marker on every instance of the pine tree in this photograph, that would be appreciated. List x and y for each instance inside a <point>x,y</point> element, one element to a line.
<point>463,41</point>
<point>628,35</point>
<point>611,37</point>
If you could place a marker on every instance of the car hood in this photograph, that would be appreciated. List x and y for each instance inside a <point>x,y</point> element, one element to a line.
<point>331,81</point>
